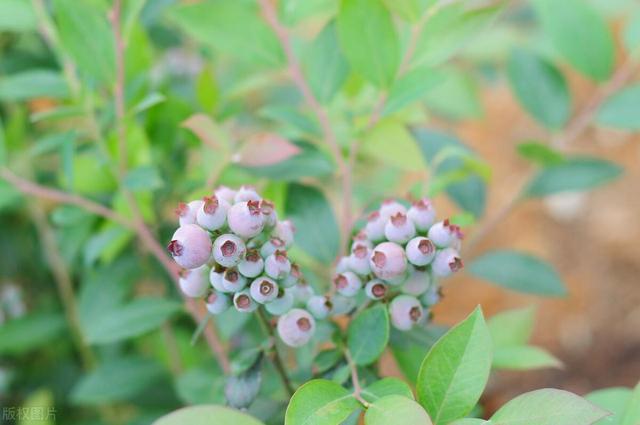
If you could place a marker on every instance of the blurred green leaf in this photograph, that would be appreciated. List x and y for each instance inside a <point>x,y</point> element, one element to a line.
<point>87,37</point>
<point>632,412</point>
<point>540,88</point>
<point>368,335</point>
<point>31,84</point>
<point>391,408</point>
<point>614,400</point>
<point>3,145</point>
<point>385,387</point>
<point>409,10</point>
<point>575,174</point>
<point>390,142</point>
<point>207,90</point>
<point>91,175</point>
<point>324,65</point>
<point>580,34</point>
<point>455,371</point>
<point>293,11</point>
<point>116,380</point>
<point>456,97</point>
<point>41,408</point>
<point>512,327</point>
<point>295,123</point>
<point>106,243</point>
<point>143,178</point>
<point>410,88</point>
<point>17,15</point>
<point>523,357</point>
<point>320,402</point>
<point>316,228</point>
<point>448,29</point>
<point>231,28</point>
<point>149,101</point>
<point>368,39</point>
<point>52,142</point>
<point>21,335</point>
<point>622,110</point>
<point>518,271</point>
<point>631,34</point>
<point>540,153</point>
<point>547,407</point>
<point>133,319</point>
<point>207,415</point>
<point>200,385</point>
<point>470,194</point>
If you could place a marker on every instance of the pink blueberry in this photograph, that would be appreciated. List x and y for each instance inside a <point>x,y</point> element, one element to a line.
<point>190,246</point>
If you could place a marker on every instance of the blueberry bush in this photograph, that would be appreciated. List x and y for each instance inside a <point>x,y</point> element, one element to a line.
<point>229,211</point>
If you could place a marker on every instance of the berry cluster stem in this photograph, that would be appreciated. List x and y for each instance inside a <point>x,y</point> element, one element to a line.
<point>355,379</point>
<point>275,355</point>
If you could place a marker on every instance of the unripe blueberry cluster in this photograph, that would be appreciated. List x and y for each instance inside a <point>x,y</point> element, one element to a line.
<point>233,252</point>
<point>398,256</point>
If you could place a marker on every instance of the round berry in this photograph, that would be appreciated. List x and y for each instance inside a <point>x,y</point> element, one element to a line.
<point>302,292</point>
<point>226,194</point>
<point>375,289</point>
<point>212,214</point>
<point>420,251</point>
<point>444,234</point>
<point>447,261</point>
<point>243,302</point>
<point>343,265</point>
<point>215,278</point>
<point>375,226</point>
<point>272,245</point>
<point>187,212</point>
<point>418,283</point>
<point>293,278</point>
<point>361,238</point>
<point>296,327</point>
<point>342,304</point>
<point>233,281</point>
<point>246,193</point>
<point>405,311</point>
<point>252,265</point>
<point>347,284</point>
<point>217,303</point>
<point>190,246</point>
<point>422,214</point>
<point>263,290</point>
<point>359,259</point>
<point>319,306</point>
<point>277,265</point>
<point>282,303</point>
<point>399,229</point>
<point>432,296</point>
<point>390,208</point>
<point>269,213</point>
<point>228,250</point>
<point>194,283</point>
<point>284,231</point>
<point>388,261</point>
<point>245,219</point>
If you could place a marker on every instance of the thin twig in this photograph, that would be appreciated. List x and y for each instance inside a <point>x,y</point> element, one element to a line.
<point>275,355</point>
<point>271,17</point>
<point>355,380</point>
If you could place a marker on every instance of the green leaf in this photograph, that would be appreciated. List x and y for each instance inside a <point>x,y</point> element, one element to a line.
<point>117,380</point>
<point>631,34</point>
<point>409,348</point>
<point>540,153</point>
<point>390,142</point>
<point>622,110</point>
<point>575,174</point>
<point>524,357</point>
<point>200,385</point>
<point>448,30</point>
<point>548,407</point>
<point>539,87</point>
<point>40,406</point>
<point>87,37</point>
<point>469,194</point>
<point>471,421</point>
<point>386,387</point>
<point>232,28</point>
<point>143,178</point>
<point>21,335</point>
<point>32,84</point>
<point>410,88</point>
<point>368,335</point>
<point>518,271</point>
<point>632,411</point>
<point>457,97</point>
<point>133,319</point>
<point>409,10</point>
<point>324,65</point>
<point>368,39</point>
<point>17,15</point>
<point>320,402</point>
<point>389,410</point>
<point>317,230</point>
<point>455,371</point>
<point>512,327</point>
<point>580,34</point>
<point>614,400</point>
<point>207,415</point>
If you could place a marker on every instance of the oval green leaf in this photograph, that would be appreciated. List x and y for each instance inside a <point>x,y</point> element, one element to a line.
<point>518,271</point>
<point>207,415</point>
<point>368,335</point>
<point>455,371</point>
<point>622,110</point>
<point>386,387</point>
<point>523,357</point>
<point>548,407</point>
<point>396,409</point>
<point>320,402</point>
